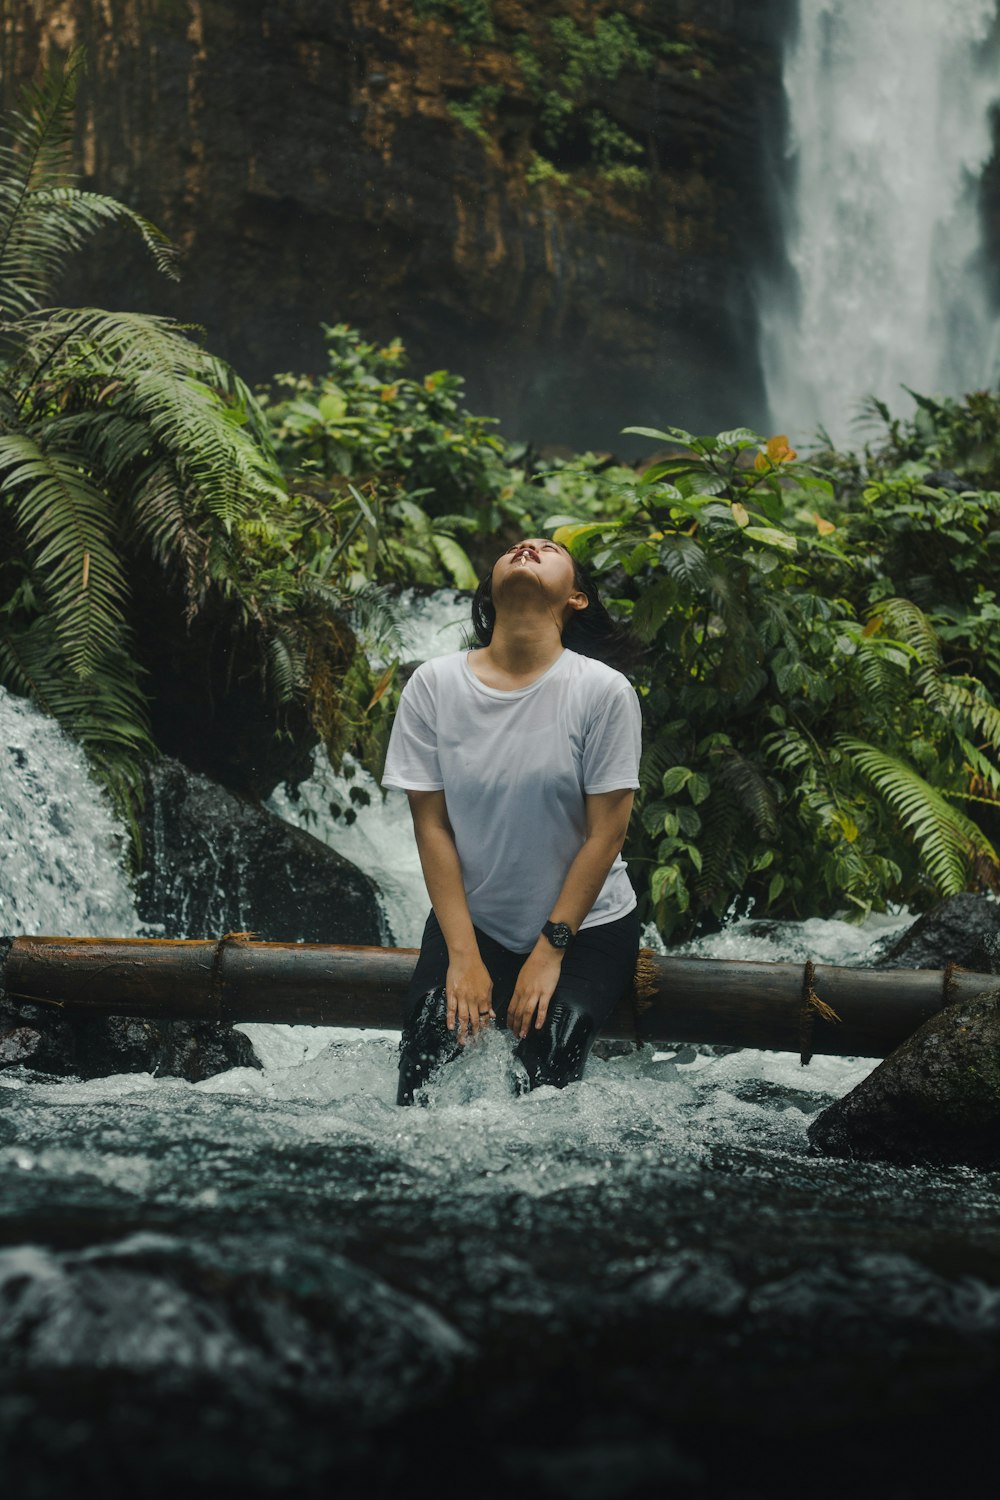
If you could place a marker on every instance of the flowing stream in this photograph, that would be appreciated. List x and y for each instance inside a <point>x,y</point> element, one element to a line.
<point>275,1281</point>
<point>890,110</point>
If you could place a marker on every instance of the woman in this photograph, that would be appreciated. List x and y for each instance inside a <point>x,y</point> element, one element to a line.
<point>520,760</point>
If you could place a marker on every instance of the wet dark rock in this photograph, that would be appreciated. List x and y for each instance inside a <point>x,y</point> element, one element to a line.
<point>43,1040</point>
<point>964,930</point>
<point>215,863</point>
<point>934,1101</point>
<point>209,701</point>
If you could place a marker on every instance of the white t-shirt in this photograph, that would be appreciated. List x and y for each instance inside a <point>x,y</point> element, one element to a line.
<point>514,767</point>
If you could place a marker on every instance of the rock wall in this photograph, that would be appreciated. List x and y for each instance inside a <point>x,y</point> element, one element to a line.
<point>387,165</point>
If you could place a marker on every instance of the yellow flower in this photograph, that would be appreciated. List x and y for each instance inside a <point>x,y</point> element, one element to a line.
<point>777,452</point>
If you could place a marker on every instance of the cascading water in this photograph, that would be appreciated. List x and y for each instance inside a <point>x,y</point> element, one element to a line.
<point>890,118</point>
<point>60,844</point>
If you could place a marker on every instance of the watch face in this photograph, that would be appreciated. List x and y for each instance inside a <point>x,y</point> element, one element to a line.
<point>560,933</point>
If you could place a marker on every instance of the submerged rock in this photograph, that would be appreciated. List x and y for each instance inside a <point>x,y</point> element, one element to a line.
<point>964,930</point>
<point>46,1041</point>
<point>934,1101</point>
<point>215,863</point>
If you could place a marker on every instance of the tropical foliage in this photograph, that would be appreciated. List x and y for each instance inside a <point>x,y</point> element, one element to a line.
<point>122,439</point>
<point>815,739</point>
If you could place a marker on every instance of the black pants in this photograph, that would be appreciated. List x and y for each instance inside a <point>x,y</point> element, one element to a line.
<point>596,970</point>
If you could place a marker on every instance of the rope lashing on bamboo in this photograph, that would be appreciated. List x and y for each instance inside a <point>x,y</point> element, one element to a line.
<point>217,980</point>
<point>812,1006</point>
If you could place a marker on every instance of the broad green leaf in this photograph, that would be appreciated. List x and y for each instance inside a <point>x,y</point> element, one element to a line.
<point>417,517</point>
<point>665,878</point>
<point>675,778</point>
<point>456,560</point>
<point>576,537</point>
<point>771,537</point>
<point>671,435</point>
<point>332,405</point>
<point>698,787</point>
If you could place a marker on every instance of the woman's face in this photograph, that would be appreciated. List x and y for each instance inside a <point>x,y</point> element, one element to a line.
<point>537,563</point>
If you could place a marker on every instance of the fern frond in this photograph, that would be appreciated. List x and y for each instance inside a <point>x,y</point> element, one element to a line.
<point>948,841</point>
<point>67,524</point>
<point>750,791</point>
<point>885,681</point>
<point>982,767</point>
<point>656,759</point>
<point>286,665</point>
<point>720,822</point>
<point>979,713</point>
<point>42,214</point>
<point>908,623</point>
<point>162,515</point>
<point>377,619</point>
<point>788,748</point>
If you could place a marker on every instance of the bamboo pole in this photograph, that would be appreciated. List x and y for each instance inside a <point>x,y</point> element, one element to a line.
<point>779,1006</point>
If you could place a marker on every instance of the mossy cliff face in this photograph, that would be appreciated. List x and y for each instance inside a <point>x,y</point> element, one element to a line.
<point>565,203</point>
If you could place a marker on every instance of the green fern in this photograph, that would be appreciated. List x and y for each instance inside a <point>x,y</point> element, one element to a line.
<point>42,215</point>
<point>949,842</point>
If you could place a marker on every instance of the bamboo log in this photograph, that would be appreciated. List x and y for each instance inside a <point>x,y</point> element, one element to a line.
<point>778,1006</point>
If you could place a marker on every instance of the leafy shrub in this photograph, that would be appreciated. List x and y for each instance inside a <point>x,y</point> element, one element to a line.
<point>800,750</point>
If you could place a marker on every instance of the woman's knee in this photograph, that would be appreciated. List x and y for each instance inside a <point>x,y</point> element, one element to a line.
<point>556,1053</point>
<point>426,1043</point>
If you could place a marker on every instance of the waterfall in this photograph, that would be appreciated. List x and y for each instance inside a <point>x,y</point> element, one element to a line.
<point>889,109</point>
<point>61,846</point>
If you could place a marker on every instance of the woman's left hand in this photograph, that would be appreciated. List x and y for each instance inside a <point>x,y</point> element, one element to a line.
<point>535,987</point>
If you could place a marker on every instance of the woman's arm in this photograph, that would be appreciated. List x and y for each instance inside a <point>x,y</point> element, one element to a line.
<point>468,985</point>
<point>608,816</point>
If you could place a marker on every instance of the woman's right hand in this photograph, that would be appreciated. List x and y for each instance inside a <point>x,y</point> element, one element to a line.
<point>469,989</point>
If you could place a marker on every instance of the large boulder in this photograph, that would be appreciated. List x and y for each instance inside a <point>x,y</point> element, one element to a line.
<point>934,1101</point>
<point>215,863</point>
<point>964,930</point>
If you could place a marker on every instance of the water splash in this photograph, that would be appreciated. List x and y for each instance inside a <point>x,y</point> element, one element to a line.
<point>890,122</point>
<point>61,845</point>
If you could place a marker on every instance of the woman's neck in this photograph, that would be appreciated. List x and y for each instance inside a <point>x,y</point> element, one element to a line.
<point>525,646</point>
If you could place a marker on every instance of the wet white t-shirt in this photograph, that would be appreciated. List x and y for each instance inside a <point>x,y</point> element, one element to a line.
<point>514,767</point>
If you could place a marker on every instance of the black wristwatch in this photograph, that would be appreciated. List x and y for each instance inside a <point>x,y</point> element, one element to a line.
<point>559,934</point>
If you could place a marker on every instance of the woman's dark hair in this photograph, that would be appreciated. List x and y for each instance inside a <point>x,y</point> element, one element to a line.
<point>589,632</point>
